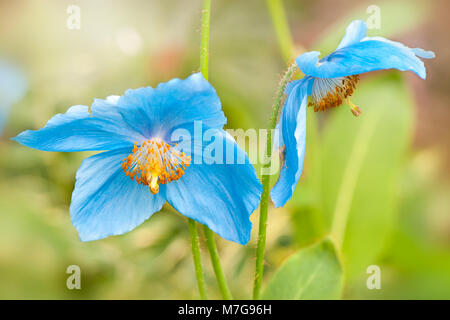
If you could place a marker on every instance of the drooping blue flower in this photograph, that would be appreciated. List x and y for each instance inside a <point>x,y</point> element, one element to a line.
<point>328,82</point>
<point>147,163</point>
<point>13,85</point>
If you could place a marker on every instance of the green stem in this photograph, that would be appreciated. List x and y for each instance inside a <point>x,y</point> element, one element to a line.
<point>215,260</point>
<point>204,51</point>
<point>264,205</point>
<point>204,55</point>
<point>197,259</point>
<point>192,224</point>
<point>278,15</point>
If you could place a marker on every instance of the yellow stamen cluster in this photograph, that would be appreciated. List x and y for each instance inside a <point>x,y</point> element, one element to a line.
<point>155,162</point>
<point>330,93</point>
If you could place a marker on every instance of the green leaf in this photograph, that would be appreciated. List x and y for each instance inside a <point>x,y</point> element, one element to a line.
<point>308,224</point>
<point>313,272</point>
<point>361,162</point>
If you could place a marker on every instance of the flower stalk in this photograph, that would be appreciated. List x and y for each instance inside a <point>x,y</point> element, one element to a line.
<point>204,49</point>
<point>204,57</point>
<point>215,260</point>
<point>286,44</point>
<point>204,53</point>
<point>265,181</point>
<point>197,259</point>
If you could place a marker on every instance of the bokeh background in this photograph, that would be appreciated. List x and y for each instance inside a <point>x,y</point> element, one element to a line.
<point>388,169</point>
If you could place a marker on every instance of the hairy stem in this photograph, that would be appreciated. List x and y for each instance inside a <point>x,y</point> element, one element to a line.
<point>264,205</point>
<point>204,51</point>
<point>206,13</point>
<point>215,260</point>
<point>204,57</point>
<point>197,259</point>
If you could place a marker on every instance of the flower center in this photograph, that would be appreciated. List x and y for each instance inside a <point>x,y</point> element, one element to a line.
<point>155,162</point>
<point>331,92</point>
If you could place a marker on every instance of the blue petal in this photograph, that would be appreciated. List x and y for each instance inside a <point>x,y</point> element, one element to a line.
<point>417,51</point>
<point>278,135</point>
<point>293,132</point>
<point>423,53</point>
<point>78,130</point>
<point>156,112</point>
<point>220,194</point>
<point>355,32</point>
<point>368,55</point>
<point>106,202</point>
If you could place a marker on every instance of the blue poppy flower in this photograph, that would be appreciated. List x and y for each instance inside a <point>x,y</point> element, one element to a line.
<point>13,85</point>
<point>147,163</point>
<point>328,82</point>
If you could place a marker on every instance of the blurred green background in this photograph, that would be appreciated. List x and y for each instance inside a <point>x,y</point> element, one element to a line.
<point>388,169</point>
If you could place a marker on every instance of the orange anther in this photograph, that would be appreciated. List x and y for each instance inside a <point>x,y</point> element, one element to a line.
<point>155,162</point>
